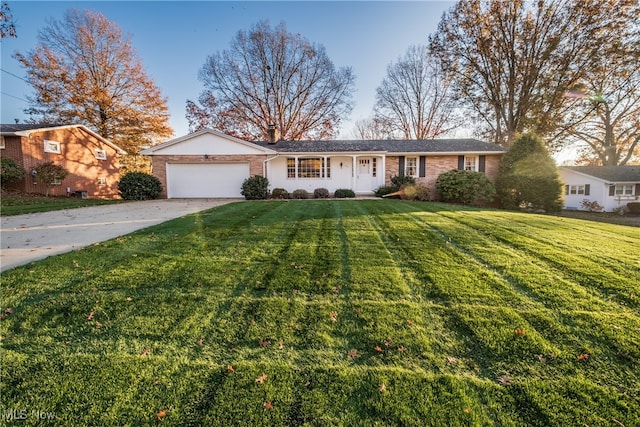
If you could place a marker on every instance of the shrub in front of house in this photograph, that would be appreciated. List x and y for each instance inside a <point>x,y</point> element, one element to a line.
<point>465,187</point>
<point>10,171</point>
<point>279,193</point>
<point>528,177</point>
<point>300,194</point>
<point>591,205</point>
<point>398,182</point>
<point>344,193</point>
<point>321,193</point>
<point>255,188</point>
<point>633,208</point>
<point>50,174</point>
<point>415,192</point>
<point>139,186</point>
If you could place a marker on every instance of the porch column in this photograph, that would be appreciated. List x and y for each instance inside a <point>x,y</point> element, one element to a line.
<point>383,169</point>
<point>354,173</point>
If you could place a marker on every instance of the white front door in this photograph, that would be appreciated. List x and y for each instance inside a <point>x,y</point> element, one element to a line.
<point>365,177</point>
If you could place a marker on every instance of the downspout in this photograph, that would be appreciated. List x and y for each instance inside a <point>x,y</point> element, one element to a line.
<point>264,164</point>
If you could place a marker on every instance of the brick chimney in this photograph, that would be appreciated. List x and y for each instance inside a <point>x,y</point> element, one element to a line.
<point>271,132</point>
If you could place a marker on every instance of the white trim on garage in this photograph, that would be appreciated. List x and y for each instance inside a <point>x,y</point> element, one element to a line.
<point>205,180</point>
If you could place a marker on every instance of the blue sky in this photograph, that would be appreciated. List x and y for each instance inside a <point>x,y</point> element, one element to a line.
<point>173,39</point>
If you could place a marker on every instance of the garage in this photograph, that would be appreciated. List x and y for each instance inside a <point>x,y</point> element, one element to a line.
<point>211,180</point>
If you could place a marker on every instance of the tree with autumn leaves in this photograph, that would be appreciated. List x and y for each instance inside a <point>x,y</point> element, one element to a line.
<point>514,62</point>
<point>84,71</point>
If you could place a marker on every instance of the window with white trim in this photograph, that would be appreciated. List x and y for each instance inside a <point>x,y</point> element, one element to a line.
<point>411,166</point>
<point>100,154</point>
<point>374,167</point>
<point>623,190</point>
<point>102,180</point>
<point>52,147</point>
<point>471,163</point>
<point>576,189</point>
<point>291,167</point>
<point>310,167</point>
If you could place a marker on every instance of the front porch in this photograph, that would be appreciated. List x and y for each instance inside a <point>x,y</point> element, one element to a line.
<point>362,173</point>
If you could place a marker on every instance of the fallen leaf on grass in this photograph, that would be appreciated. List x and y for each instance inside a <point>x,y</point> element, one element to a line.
<point>382,388</point>
<point>145,352</point>
<point>378,349</point>
<point>264,343</point>
<point>388,342</point>
<point>401,349</point>
<point>541,358</point>
<point>452,360</point>
<point>410,322</point>
<point>519,331</point>
<point>583,356</point>
<point>98,325</point>
<point>230,369</point>
<point>353,354</point>
<point>267,405</point>
<point>504,379</point>
<point>160,415</point>
<point>90,316</point>
<point>200,341</point>
<point>281,345</point>
<point>334,316</point>
<point>262,378</point>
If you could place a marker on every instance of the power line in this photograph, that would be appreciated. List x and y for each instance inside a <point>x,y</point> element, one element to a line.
<point>12,96</point>
<point>11,74</point>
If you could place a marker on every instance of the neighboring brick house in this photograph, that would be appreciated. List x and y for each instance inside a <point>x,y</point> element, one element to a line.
<point>91,160</point>
<point>209,163</point>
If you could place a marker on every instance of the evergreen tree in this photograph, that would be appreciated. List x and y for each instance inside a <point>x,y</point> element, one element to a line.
<point>528,177</point>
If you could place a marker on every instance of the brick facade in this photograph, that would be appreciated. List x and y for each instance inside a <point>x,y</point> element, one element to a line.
<point>98,178</point>
<point>436,165</point>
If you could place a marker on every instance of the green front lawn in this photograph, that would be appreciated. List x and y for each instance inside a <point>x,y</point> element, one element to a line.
<point>360,312</point>
<point>11,204</point>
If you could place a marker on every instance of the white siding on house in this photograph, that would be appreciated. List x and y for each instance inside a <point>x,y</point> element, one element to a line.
<point>342,174</point>
<point>209,144</point>
<point>598,191</point>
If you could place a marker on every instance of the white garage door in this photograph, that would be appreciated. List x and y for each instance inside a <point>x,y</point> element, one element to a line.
<point>205,180</point>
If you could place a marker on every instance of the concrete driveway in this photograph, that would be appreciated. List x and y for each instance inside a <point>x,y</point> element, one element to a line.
<point>26,238</point>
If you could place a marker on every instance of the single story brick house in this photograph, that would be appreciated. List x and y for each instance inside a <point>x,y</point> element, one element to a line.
<point>91,160</point>
<point>210,164</point>
<point>610,186</point>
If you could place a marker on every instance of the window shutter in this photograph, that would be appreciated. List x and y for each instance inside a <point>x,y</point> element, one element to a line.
<point>423,167</point>
<point>587,189</point>
<point>401,161</point>
<point>461,163</point>
<point>566,189</point>
<point>612,190</point>
<point>481,165</point>
<point>637,189</point>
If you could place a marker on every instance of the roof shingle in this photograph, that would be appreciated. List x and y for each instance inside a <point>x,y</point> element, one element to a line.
<point>610,173</point>
<point>385,145</point>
